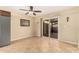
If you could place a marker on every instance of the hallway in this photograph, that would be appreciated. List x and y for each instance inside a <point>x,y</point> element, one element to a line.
<point>38,44</point>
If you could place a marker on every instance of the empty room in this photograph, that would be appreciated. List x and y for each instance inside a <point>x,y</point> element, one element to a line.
<point>39,29</point>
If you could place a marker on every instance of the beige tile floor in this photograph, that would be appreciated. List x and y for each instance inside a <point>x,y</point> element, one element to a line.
<point>38,44</point>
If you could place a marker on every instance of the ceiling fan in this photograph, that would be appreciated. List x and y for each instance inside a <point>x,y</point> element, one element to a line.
<point>31,10</point>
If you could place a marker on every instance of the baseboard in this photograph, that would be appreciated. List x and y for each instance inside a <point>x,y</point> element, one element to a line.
<point>74,43</point>
<point>20,38</point>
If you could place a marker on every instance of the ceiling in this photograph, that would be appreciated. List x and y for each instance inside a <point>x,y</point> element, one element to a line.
<point>44,9</point>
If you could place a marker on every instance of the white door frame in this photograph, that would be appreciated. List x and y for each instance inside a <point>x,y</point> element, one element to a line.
<point>49,25</point>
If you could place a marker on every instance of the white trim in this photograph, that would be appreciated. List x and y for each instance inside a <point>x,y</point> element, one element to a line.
<point>58,27</point>
<point>20,38</point>
<point>69,42</point>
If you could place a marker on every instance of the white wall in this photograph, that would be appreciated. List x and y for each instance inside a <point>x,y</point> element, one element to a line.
<point>37,27</point>
<point>68,30</point>
<point>18,32</point>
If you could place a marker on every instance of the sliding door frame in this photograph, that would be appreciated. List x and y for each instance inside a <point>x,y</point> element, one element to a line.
<point>41,26</point>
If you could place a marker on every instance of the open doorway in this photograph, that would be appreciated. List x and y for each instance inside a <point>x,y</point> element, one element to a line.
<point>50,28</point>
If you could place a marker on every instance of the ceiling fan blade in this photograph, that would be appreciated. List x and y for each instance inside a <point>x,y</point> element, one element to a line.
<point>38,11</point>
<point>26,13</point>
<point>34,14</point>
<point>23,9</point>
<point>31,8</point>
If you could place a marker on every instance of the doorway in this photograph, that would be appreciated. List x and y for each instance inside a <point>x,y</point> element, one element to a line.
<point>50,28</point>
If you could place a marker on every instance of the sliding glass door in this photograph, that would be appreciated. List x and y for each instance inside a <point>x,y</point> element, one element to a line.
<point>54,28</point>
<point>46,28</point>
<point>50,28</point>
